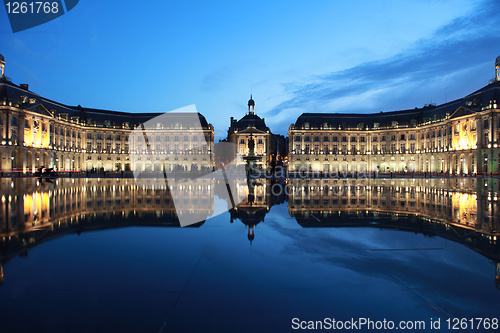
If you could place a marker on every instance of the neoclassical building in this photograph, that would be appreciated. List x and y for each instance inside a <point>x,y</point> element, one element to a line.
<point>268,146</point>
<point>459,137</point>
<point>36,131</point>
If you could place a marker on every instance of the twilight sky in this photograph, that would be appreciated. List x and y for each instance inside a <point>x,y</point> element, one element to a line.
<point>294,56</point>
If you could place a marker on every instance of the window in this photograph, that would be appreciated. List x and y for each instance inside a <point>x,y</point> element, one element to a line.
<point>307,139</point>
<point>186,138</point>
<point>412,147</point>
<point>89,146</point>
<point>99,146</point>
<point>353,149</point>
<point>403,148</point>
<point>325,149</point>
<point>297,138</point>
<point>326,139</point>
<point>89,135</point>
<point>393,137</point>
<point>486,124</point>
<point>383,138</point>
<point>362,139</point>
<point>403,137</point>
<point>412,136</point>
<point>335,139</point>
<point>344,139</point>
<point>375,149</point>
<point>99,136</point>
<point>260,141</point>
<point>242,141</point>
<point>316,139</point>
<point>375,139</point>
<point>353,139</point>
<point>335,149</point>
<point>393,147</point>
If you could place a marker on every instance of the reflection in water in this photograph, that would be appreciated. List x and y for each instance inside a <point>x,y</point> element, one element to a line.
<point>462,210</point>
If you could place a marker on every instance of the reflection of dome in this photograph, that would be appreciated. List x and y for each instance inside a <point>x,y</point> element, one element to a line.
<point>251,236</point>
<point>3,59</point>
<point>497,63</point>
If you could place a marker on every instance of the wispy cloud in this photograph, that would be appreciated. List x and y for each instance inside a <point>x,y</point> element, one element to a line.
<point>463,49</point>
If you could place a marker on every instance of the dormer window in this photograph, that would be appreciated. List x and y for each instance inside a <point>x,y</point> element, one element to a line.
<point>376,125</point>
<point>306,126</point>
<point>394,124</point>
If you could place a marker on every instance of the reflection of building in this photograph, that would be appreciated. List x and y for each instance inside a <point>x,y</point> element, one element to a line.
<point>36,131</point>
<point>462,136</point>
<point>259,198</point>
<point>462,210</point>
<point>32,211</point>
<point>267,145</point>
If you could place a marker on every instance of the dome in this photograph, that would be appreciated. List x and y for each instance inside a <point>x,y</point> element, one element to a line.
<point>252,103</point>
<point>251,120</point>
<point>3,59</point>
<point>497,63</point>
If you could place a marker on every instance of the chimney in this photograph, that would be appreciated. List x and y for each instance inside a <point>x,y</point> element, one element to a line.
<point>24,86</point>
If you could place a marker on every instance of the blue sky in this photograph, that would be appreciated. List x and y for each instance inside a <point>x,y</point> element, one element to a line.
<point>294,56</point>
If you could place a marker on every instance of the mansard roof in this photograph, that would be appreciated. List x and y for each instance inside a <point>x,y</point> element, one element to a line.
<point>473,103</point>
<point>25,99</point>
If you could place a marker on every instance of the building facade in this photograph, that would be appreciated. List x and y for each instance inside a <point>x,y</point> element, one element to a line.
<point>269,147</point>
<point>459,137</point>
<point>36,132</point>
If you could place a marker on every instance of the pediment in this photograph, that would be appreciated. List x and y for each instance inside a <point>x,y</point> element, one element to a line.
<point>461,111</point>
<point>39,108</point>
<point>252,130</point>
